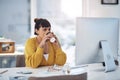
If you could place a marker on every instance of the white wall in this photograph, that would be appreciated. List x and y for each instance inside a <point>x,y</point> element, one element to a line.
<point>14,20</point>
<point>94,8</point>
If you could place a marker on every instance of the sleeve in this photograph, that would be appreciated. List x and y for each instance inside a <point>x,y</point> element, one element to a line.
<point>60,57</point>
<point>33,54</point>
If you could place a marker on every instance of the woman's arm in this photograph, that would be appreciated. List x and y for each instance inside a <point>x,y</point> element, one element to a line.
<point>60,58</point>
<point>33,54</point>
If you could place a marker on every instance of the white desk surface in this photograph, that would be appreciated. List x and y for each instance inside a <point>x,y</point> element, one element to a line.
<point>94,72</point>
<point>11,54</point>
<point>36,72</point>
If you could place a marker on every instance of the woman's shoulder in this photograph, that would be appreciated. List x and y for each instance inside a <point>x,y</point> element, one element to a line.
<point>33,39</point>
<point>30,42</point>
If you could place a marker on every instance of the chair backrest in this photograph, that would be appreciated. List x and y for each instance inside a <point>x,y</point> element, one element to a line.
<point>20,60</point>
<point>82,76</point>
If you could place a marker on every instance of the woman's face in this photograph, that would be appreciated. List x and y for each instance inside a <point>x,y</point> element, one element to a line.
<point>43,31</point>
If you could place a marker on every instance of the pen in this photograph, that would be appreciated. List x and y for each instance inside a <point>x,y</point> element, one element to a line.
<point>3,71</point>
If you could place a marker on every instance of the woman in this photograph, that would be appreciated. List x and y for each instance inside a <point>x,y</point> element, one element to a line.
<point>40,50</point>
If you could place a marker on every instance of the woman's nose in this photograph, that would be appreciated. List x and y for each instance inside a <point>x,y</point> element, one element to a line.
<point>47,32</point>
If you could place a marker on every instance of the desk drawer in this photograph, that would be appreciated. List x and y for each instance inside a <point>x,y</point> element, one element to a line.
<point>7,61</point>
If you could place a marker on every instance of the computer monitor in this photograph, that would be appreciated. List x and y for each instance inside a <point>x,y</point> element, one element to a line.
<point>89,34</point>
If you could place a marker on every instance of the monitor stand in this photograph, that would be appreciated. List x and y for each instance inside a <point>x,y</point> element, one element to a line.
<point>108,56</point>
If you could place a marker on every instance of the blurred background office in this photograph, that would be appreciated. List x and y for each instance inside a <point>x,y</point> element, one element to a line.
<point>17,19</point>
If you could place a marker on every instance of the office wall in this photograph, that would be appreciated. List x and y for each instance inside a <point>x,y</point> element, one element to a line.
<point>14,20</point>
<point>48,8</point>
<point>94,8</point>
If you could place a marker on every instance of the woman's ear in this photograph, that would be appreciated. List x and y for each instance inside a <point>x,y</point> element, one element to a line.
<point>36,31</point>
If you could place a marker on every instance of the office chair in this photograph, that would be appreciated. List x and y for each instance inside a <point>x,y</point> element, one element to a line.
<point>20,60</point>
<point>62,77</point>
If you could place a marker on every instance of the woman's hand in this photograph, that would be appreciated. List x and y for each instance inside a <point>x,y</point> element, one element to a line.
<point>47,37</point>
<point>56,42</point>
<point>44,40</point>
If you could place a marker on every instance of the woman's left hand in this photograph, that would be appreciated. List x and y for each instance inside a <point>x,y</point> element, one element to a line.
<point>56,42</point>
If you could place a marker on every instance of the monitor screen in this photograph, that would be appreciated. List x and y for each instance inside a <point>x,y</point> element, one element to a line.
<point>89,33</point>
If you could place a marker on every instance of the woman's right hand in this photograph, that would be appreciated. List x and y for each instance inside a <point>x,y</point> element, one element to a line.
<point>44,40</point>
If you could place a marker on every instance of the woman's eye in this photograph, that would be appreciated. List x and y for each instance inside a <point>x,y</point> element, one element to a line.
<point>44,29</point>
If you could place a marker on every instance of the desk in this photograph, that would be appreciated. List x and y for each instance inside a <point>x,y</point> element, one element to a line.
<point>96,72</point>
<point>38,72</point>
<point>11,54</point>
<point>8,60</point>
